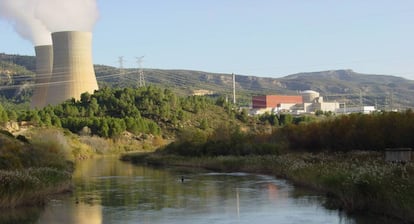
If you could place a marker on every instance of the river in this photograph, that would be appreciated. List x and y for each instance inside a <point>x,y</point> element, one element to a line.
<point>107,190</point>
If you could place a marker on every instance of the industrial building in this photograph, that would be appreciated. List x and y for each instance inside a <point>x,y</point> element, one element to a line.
<point>274,101</point>
<point>360,109</point>
<point>72,72</point>
<point>308,101</point>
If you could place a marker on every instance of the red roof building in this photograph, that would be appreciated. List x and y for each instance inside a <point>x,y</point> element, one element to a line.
<point>272,101</point>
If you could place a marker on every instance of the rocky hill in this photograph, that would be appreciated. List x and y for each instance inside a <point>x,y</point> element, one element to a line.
<point>387,92</point>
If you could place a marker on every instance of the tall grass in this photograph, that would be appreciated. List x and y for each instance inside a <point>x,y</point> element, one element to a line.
<point>31,186</point>
<point>29,171</point>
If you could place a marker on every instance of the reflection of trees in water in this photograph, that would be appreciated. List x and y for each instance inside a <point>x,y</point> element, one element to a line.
<point>113,183</point>
<point>20,215</point>
<point>69,212</point>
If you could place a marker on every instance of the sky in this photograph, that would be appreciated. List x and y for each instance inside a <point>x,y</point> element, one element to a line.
<point>267,38</point>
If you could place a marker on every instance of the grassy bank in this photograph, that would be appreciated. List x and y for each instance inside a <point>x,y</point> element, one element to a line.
<point>34,167</point>
<point>31,186</point>
<point>355,181</point>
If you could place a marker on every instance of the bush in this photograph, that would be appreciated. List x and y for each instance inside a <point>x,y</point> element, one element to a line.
<point>6,133</point>
<point>22,138</point>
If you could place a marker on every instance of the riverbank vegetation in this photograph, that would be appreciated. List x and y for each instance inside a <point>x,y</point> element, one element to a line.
<point>33,167</point>
<point>341,156</point>
<point>374,132</point>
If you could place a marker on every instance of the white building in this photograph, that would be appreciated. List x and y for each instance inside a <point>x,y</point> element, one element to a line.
<point>314,102</point>
<point>361,109</point>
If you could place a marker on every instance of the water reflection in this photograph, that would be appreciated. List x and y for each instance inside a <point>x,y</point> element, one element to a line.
<point>20,215</point>
<point>65,212</point>
<point>109,191</point>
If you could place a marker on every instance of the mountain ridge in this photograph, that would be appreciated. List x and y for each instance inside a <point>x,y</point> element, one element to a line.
<point>338,85</point>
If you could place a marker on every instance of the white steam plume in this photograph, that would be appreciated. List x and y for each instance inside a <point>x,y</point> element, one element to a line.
<point>67,15</point>
<point>34,20</point>
<point>21,14</point>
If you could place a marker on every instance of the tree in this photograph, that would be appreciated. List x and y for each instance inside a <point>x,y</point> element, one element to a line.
<point>85,98</point>
<point>286,119</point>
<point>204,124</point>
<point>93,106</point>
<point>243,116</point>
<point>56,121</point>
<point>3,115</point>
<point>12,115</point>
<point>104,129</point>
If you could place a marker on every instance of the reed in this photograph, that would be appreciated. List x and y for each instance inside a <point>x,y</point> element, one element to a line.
<point>31,170</point>
<point>31,186</point>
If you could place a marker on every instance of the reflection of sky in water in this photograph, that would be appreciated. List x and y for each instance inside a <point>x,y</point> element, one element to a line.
<point>252,199</point>
<point>109,191</point>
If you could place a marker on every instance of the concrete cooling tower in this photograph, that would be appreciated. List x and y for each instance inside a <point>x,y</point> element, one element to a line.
<point>73,72</point>
<point>44,62</point>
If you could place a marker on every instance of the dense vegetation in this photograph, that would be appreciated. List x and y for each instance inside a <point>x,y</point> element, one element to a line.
<point>30,170</point>
<point>109,112</point>
<point>373,132</point>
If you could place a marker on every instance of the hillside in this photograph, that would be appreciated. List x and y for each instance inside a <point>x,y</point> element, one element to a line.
<point>16,75</point>
<point>342,85</point>
<point>382,90</point>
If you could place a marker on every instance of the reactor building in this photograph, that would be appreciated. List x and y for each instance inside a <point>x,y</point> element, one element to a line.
<point>72,72</point>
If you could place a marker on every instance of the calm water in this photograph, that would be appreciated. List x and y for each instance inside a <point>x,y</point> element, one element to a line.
<point>110,191</point>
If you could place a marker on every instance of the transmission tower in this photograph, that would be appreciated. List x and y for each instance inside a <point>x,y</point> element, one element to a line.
<point>121,65</point>
<point>234,88</point>
<point>141,71</point>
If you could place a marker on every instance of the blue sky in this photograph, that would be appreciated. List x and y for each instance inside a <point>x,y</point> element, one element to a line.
<point>271,38</point>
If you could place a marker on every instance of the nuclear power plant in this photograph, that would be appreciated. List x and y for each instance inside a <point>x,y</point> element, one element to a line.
<point>72,72</point>
<point>44,63</point>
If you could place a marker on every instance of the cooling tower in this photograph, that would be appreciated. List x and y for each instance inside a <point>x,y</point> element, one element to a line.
<point>73,72</point>
<point>44,62</point>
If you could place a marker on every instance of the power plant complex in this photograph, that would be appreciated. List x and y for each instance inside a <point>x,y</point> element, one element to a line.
<point>64,70</point>
<point>307,101</point>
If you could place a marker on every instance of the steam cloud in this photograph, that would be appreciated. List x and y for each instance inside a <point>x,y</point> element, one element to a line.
<point>34,20</point>
<point>65,15</point>
<point>21,14</point>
